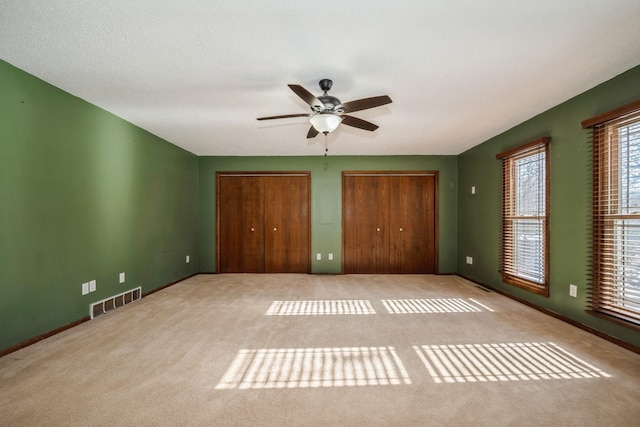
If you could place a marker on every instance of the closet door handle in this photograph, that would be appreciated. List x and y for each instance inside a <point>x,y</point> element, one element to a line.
<point>275,229</point>
<point>253,229</point>
<point>400,228</point>
<point>378,229</point>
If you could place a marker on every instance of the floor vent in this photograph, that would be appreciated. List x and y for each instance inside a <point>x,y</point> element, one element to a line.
<point>113,302</point>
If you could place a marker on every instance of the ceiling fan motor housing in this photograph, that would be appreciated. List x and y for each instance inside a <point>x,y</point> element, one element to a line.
<point>330,102</point>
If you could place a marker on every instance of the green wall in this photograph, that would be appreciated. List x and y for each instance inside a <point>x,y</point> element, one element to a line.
<point>479,215</point>
<point>326,200</point>
<point>83,195</point>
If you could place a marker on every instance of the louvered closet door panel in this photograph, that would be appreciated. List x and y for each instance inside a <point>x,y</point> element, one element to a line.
<point>412,224</point>
<point>287,222</point>
<point>241,222</point>
<point>365,224</point>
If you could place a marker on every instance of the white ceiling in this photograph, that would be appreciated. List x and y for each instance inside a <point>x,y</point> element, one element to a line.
<point>198,72</point>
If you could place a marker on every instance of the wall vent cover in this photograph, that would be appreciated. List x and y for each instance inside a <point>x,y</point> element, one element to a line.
<point>115,301</point>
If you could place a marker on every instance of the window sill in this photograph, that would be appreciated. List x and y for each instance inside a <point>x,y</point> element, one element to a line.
<point>527,285</point>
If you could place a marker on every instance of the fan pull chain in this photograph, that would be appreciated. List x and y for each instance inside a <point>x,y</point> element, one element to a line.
<point>326,149</point>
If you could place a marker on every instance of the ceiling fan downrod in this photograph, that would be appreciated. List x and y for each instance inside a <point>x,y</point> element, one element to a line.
<point>325,85</point>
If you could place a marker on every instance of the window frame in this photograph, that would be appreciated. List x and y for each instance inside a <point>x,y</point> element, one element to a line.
<point>509,194</point>
<point>606,211</point>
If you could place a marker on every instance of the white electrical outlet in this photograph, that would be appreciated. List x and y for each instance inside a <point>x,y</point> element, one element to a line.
<point>92,286</point>
<point>469,260</point>
<point>330,257</point>
<point>188,259</point>
<point>319,256</point>
<point>573,290</point>
<point>85,288</point>
<point>473,189</point>
<point>121,278</point>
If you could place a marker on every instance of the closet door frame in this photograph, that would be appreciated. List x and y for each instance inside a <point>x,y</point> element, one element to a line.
<point>259,174</point>
<point>396,173</point>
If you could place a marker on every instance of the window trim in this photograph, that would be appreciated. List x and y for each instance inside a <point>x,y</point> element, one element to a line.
<point>597,301</point>
<point>509,278</point>
<point>611,115</point>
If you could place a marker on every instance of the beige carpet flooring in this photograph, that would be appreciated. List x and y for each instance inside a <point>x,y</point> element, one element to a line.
<point>314,350</point>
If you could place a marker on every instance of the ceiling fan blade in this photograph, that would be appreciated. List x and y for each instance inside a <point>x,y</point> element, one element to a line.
<point>307,97</point>
<point>358,123</point>
<point>284,116</point>
<point>312,132</point>
<point>365,103</point>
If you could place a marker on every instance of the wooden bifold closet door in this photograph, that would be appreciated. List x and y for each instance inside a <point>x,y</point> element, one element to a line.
<point>389,222</point>
<point>263,222</point>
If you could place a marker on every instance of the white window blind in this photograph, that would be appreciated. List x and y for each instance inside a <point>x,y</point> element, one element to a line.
<point>525,210</point>
<point>615,287</point>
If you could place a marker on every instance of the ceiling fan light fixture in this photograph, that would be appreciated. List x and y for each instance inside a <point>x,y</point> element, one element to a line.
<point>325,122</point>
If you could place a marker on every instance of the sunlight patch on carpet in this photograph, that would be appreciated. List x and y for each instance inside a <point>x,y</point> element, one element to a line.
<point>319,308</point>
<point>435,305</point>
<point>503,362</point>
<point>314,367</point>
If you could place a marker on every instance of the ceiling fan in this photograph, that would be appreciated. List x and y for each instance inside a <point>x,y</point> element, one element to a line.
<point>327,112</point>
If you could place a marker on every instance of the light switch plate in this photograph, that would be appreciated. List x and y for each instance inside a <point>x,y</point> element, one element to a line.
<point>573,290</point>
<point>330,257</point>
<point>92,286</point>
<point>187,259</point>
<point>319,257</point>
<point>121,278</point>
<point>85,288</point>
